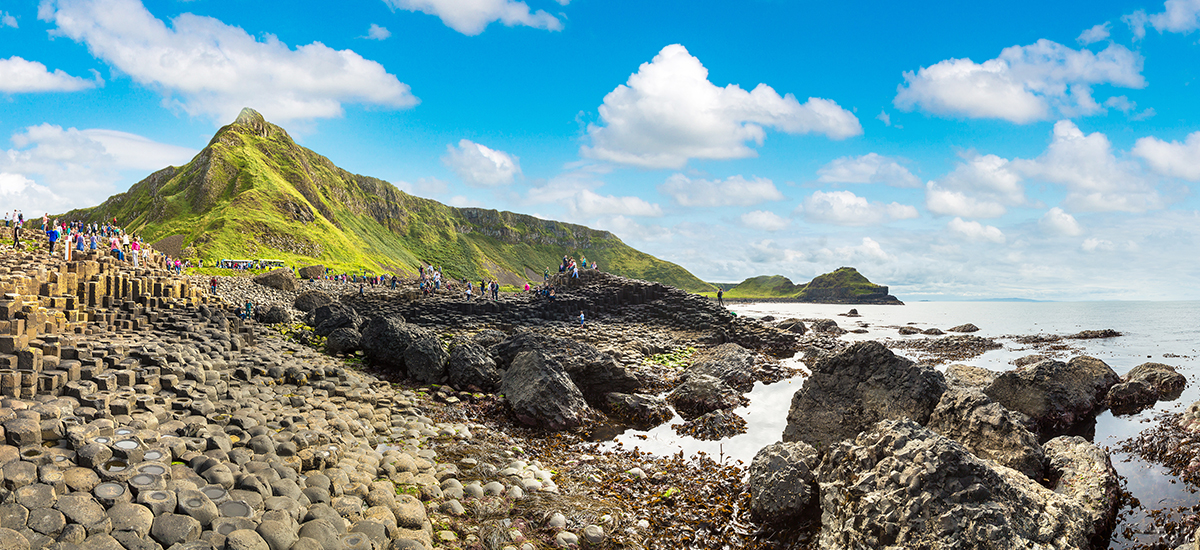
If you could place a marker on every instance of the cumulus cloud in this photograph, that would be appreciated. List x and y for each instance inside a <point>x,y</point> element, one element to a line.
<point>54,169</point>
<point>480,166</point>
<point>1171,158</point>
<point>884,117</point>
<point>1181,16</point>
<point>629,229</point>
<point>20,76</point>
<point>869,168</point>
<point>733,191</point>
<point>764,220</point>
<point>588,203</point>
<point>976,231</point>
<point>1024,84</point>
<point>668,112</point>
<point>575,192</point>
<point>1102,245</point>
<point>846,208</point>
<point>209,68</point>
<point>470,17</point>
<point>1095,34</point>
<point>869,251</point>
<point>375,32</point>
<point>7,20</point>
<point>1096,180</point>
<point>980,187</point>
<point>1057,222</point>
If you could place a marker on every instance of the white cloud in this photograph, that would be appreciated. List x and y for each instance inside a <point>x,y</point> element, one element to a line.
<point>20,76</point>
<point>628,229</point>
<point>1096,180</point>
<point>884,117</point>
<point>7,20</point>
<point>846,208</point>
<point>764,220</point>
<point>1058,222</point>
<point>209,68</point>
<point>1022,85</point>
<point>480,166</point>
<point>460,201</point>
<point>588,203</point>
<point>21,193</point>
<point>869,168</point>
<point>976,231</point>
<point>375,32</point>
<point>981,187</point>
<point>668,112</point>
<point>425,187</point>
<point>1171,158</point>
<point>1094,34</point>
<point>733,191</point>
<point>55,170</point>
<point>470,17</point>
<point>869,251</point>
<point>1093,245</point>
<point>1120,103</point>
<point>1181,16</point>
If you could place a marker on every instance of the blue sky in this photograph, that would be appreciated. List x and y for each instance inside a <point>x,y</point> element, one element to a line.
<point>950,150</point>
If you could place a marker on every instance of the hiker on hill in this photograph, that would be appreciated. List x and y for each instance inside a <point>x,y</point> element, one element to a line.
<point>720,296</point>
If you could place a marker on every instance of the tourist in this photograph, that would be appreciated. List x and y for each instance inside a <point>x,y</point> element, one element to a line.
<point>213,285</point>
<point>580,318</point>
<point>52,234</point>
<point>720,296</point>
<point>468,292</point>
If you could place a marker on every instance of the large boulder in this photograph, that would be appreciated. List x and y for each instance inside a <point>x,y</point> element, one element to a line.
<point>988,430</point>
<point>640,410</point>
<point>730,363</point>
<point>783,483</point>
<point>1084,472</point>
<point>425,357</point>
<point>969,377</point>
<point>312,272</point>
<point>850,391</point>
<point>311,299</point>
<point>343,340</point>
<point>274,314</point>
<point>899,485</point>
<point>593,372</point>
<point>1145,385</point>
<point>280,279</point>
<point>701,394</point>
<point>332,316</point>
<point>795,326</point>
<point>1053,394</point>
<point>385,339</point>
<point>471,366</point>
<point>542,395</point>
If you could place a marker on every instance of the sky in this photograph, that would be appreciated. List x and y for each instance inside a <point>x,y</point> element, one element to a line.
<point>950,150</point>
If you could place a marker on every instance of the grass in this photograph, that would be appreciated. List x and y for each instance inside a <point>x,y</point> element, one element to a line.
<point>843,282</point>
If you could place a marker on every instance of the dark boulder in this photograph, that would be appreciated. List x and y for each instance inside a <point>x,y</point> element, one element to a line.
<point>593,372</point>
<point>968,376</point>
<point>343,340</point>
<point>713,426</point>
<point>425,357</point>
<point>1131,397</point>
<point>639,410</point>
<point>280,279</point>
<point>988,430</point>
<point>1164,381</point>
<point>701,394</point>
<point>1053,394</point>
<point>852,390</point>
<point>899,485</point>
<point>794,326</point>
<point>933,332</point>
<point>965,328</point>
<point>385,339</point>
<point>311,299</point>
<point>332,316</point>
<point>1084,472</point>
<point>312,272</point>
<point>274,314</point>
<point>783,483</point>
<point>542,395</point>
<point>471,366</point>
<point>908,331</point>
<point>731,363</point>
<point>825,326</point>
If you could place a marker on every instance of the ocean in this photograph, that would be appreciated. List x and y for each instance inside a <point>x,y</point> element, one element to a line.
<point>1162,332</point>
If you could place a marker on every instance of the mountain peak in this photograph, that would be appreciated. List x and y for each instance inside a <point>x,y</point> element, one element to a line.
<point>250,117</point>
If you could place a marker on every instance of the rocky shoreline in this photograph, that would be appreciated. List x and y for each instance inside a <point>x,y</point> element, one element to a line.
<point>139,412</point>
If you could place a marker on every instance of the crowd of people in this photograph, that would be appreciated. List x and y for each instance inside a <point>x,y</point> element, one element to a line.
<point>73,238</point>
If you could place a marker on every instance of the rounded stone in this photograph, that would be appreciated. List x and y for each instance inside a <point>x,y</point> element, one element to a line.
<point>47,521</point>
<point>278,535</point>
<point>170,529</point>
<point>323,532</point>
<point>127,516</point>
<point>557,521</point>
<point>594,534</point>
<point>196,505</point>
<point>356,541</point>
<point>245,539</point>
<point>566,539</point>
<point>12,540</point>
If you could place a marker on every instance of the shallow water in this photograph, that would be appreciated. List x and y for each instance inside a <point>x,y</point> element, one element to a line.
<point>1152,331</point>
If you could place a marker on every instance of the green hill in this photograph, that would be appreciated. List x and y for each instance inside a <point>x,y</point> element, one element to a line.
<point>845,285</point>
<point>254,193</point>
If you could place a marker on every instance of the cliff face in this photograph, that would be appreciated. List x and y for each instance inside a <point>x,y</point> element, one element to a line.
<point>843,286</point>
<point>252,192</point>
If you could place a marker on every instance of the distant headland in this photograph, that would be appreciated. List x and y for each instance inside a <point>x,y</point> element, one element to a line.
<point>843,286</point>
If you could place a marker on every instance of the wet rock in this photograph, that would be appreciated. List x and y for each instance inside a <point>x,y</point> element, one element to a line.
<point>908,331</point>
<point>470,365</point>
<point>903,486</point>
<point>988,430</point>
<point>1094,334</point>
<point>825,326</point>
<point>730,363</point>
<point>783,483</point>
<point>968,327</point>
<point>541,395</point>
<point>385,339</point>
<point>593,372</point>
<point>1084,472</point>
<point>713,426</point>
<point>310,300</point>
<point>280,279</point>
<point>343,340</point>
<point>852,390</point>
<point>1131,397</point>
<point>1055,395</point>
<point>969,377</point>
<point>1144,385</point>
<point>933,332</point>
<point>701,394</point>
<point>640,410</point>
<point>795,326</point>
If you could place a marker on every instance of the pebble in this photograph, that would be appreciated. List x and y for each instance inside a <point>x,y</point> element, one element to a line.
<point>565,539</point>
<point>557,521</point>
<point>594,534</point>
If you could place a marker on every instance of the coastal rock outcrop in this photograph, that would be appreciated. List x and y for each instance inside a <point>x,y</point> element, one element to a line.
<point>332,316</point>
<point>541,394</point>
<point>729,362</point>
<point>899,485</point>
<point>1085,473</point>
<point>280,279</point>
<point>312,271</point>
<point>343,340</point>
<point>850,391</point>
<point>385,339</point>
<point>470,365</point>
<point>1145,385</point>
<point>783,483</point>
<point>639,410</point>
<point>311,299</point>
<point>593,372</point>
<point>988,430</point>
<point>701,394</point>
<point>969,377</point>
<point>1053,394</point>
<point>425,357</point>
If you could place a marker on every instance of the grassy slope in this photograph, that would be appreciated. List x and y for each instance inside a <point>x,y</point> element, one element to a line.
<point>777,286</point>
<point>254,193</point>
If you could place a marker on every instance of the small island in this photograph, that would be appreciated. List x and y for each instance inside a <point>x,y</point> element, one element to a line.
<point>843,286</point>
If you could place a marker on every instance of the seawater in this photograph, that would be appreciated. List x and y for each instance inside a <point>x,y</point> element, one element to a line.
<point>1163,332</point>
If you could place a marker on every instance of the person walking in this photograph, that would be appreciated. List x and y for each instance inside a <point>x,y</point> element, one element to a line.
<point>581,319</point>
<point>720,296</point>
